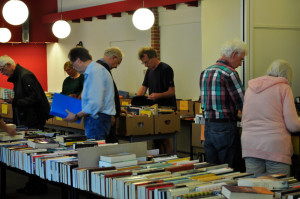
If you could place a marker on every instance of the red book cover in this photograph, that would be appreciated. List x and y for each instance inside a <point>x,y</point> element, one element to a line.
<point>181,168</point>
<point>115,174</point>
<point>156,186</point>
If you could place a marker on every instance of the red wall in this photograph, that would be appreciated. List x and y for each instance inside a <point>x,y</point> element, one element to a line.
<point>30,56</point>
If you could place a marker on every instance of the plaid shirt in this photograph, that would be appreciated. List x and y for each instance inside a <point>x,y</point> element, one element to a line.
<point>222,92</point>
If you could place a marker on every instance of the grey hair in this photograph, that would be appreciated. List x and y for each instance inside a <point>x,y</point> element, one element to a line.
<point>281,68</point>
<point>234,45</point>
<point>114,51</point>
<point>5,59</point>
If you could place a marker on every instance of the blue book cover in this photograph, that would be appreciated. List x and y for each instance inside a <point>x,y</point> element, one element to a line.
<point>62,102</point>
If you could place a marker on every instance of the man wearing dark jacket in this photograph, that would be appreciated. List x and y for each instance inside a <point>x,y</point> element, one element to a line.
<point>112,59</point>
<point>30,107</point>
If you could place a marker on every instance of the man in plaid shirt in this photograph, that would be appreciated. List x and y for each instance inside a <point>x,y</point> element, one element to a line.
<point>222,95</point>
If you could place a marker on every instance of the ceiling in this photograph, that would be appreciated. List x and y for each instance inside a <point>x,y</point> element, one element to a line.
<point>77,4</point>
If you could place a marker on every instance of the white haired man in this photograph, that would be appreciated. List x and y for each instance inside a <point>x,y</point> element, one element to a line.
<point>222,95</point>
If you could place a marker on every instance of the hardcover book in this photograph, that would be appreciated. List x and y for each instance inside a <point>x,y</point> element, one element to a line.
<point>42,143</point>
<point>70,138</point>
<point>118,157</point>
<point>238,192</point>
<point>61,103</point>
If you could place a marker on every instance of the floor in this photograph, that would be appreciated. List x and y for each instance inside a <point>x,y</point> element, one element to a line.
<point>15,180</point>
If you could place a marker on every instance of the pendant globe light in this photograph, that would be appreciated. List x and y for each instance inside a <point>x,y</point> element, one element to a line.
<point>61,29</point>
<point>15,12</point>
<point>5,35</point>
<point>143,18</point>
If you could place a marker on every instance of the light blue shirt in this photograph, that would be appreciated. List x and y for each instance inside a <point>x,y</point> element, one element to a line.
<point>98,91</point>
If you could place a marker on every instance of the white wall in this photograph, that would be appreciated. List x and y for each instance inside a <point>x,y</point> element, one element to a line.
<point>274,34</point>
<point>96,36</point>
<point>190,40</point>
<point>221,21</point>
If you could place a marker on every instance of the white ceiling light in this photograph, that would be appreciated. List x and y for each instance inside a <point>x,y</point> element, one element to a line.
<point>143,19</point>
<point>61,29</point>
<point>15,12</point>
<point>5,35</point>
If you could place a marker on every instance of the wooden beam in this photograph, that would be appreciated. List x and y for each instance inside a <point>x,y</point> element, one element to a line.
<point>116,7</point>
<point>170,7</point>
<point>117,14</point>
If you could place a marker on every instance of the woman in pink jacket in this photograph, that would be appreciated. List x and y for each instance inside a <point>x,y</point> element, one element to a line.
<point>269,115</point>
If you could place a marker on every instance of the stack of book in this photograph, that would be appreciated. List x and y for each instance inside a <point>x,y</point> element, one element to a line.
<point>42,143</point>
<point>118,160</point>
<point>69,140</point>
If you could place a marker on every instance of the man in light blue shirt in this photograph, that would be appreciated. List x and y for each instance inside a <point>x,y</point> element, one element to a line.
<point>97,98</point>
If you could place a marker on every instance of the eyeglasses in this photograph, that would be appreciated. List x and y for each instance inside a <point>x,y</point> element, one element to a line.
<point>2,68</point>
<point>146,62</point>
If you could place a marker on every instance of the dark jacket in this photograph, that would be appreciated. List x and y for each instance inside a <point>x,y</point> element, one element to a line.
<point>117,99</point>
<point>30,105</point>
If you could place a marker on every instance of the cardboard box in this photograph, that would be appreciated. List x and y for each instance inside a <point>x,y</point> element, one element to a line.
<point>6,110</point>
<point>49,121</point>
<point>125,101</point>
<point>167,123</point>
<point>135,125</point>
<point>197,134</point>
<point>59,122</point>
<point>76,125</point>
<point>185,107</point>
<point>198,110</point>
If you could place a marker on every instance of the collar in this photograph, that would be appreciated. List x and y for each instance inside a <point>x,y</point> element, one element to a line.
<point>224,62</point>
<point>13,77</point>
<point>106,63</point>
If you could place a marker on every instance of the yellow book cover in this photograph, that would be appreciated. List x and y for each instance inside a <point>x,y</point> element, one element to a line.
<point>178,160</point>
<point>202,176</point>
<point>208,179</point>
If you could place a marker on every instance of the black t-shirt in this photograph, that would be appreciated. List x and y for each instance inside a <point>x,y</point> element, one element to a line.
<point>159,81</point>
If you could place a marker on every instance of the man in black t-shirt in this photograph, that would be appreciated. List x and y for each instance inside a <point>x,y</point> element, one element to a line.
<point>159,79</point>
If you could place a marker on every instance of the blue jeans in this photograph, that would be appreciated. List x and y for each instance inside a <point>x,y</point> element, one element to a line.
<point>259,166</point>
<point>222,144</point>
<point>99,128</point>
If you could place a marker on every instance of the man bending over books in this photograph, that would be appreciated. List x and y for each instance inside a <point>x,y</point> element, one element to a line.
<point>97,99</point>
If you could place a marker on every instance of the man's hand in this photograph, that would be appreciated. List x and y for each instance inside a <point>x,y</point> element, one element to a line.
<point>71,117</point>
<point>154,96</point>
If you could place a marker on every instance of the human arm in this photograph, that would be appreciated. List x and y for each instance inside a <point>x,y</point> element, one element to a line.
<point>169,93</point>
<point>290,115</point>
<point>11,131</point>
<point>142,91</point>
<point>236,90</point>
<point>32,92</point>
<point>74,117</point>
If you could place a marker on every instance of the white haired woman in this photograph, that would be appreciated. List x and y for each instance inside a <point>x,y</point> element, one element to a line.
<point>269,116</point>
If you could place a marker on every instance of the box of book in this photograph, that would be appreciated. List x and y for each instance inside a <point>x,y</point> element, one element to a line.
<point>49,121</point>
<point>136,125</point>
<point>75,125</point>
<point>185,107</point>
<point>166,123</point>
<point>197,134</point>
<point>125,101</point>
<point>198,109</point>
<point>59,122</point>
<point>6,110</point>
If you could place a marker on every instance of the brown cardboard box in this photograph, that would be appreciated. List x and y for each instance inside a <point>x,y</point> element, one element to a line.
<point>59,122</point>
<point>76,125</point>
<point>185,107</point>
<point>49,121</point>
<point>135,125</point>
<point>198,110</point>
<point>167,123</point>
<point>125,101</point>
<point>197,134</point>
<point>6,110</point>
